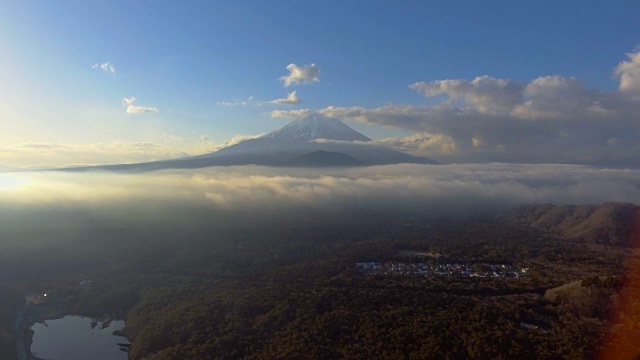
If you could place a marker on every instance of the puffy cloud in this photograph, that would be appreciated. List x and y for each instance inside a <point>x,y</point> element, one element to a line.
<point>134,109</point>
<point>407,117</point>
<point>248,101</point>
<point>548,97</point>
<point>285,114</point>
<point>301,74</point>
<point>237,139</point>
<point>629,73</point>
<point>128,101</point>
<point>484,94</point>
<point>420,144</point>
<point>549,119</point>
<point>291,99</point>
<point>560,98</point>
<point>509,138</point>
<point>106,67</point>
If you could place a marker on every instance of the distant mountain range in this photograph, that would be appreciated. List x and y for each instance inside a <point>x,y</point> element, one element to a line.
<point>610,223</point>
<point>309,141</point>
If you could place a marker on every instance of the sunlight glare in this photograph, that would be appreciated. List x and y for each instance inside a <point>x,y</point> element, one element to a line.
<point>10,182</point>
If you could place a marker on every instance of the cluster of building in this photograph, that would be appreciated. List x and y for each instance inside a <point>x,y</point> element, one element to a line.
<point>426,269</point>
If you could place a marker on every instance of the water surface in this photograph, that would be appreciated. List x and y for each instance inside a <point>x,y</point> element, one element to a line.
<point>72,338</point>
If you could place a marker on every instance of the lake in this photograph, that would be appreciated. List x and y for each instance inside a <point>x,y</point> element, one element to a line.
<point>72,338</point>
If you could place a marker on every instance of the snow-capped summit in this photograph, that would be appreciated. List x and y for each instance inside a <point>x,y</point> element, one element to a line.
<point>316,126</point>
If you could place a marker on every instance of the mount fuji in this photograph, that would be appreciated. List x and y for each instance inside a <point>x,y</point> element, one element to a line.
<point>310,141</point>
<point>313,127</point>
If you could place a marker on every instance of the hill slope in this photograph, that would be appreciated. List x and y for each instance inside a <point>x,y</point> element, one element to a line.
<point>610,223</point>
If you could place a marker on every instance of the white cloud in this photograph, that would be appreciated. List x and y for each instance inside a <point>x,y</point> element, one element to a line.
<point>629,74</point>
<point>131,109</point>
<point>291,99</point>
<point>560,98</point>
<point>477,142</point>
<point>212,146</point>
<point>106,67</point>
<point>483,94</point>
<point>134,109</point>
<point>285,114</point>
<point>509,138</point>
<point>549,119</point>
<point>422,144</point>
<point>128,101</point>
<point>547,97</point>
<point>419,144</point>
<point>237,139</point>
<point>248,101</point>
<point>301,74</point>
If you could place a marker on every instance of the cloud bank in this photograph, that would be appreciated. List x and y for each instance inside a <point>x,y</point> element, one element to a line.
<point>257,192</point>
<point>549,119</point>
<point>306,74</point>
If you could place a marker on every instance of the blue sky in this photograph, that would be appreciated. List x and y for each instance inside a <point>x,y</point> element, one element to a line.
<point>210,70</point>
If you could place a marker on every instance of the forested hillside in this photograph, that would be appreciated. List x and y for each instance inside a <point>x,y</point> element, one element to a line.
<point>293,291</point>
<point>611,223</point>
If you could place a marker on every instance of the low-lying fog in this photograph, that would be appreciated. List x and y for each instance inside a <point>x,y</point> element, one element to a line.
<point>60,200</point>
<point>57,222</point>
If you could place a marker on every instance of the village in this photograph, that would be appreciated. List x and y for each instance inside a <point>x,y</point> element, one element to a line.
<point>497,271</point>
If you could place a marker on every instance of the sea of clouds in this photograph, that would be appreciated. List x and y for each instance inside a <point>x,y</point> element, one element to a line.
<point>462,189</point>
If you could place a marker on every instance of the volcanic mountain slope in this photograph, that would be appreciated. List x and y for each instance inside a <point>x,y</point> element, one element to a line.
<point>313,126</point>
<point>312,133</point>
<point>322,158</point>
<point>610,223</point>
<point>312,140</point>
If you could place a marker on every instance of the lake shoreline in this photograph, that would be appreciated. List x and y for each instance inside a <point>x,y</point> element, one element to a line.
<point>27,337</point>
<point>29,316</point>
<point>24,335</point>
